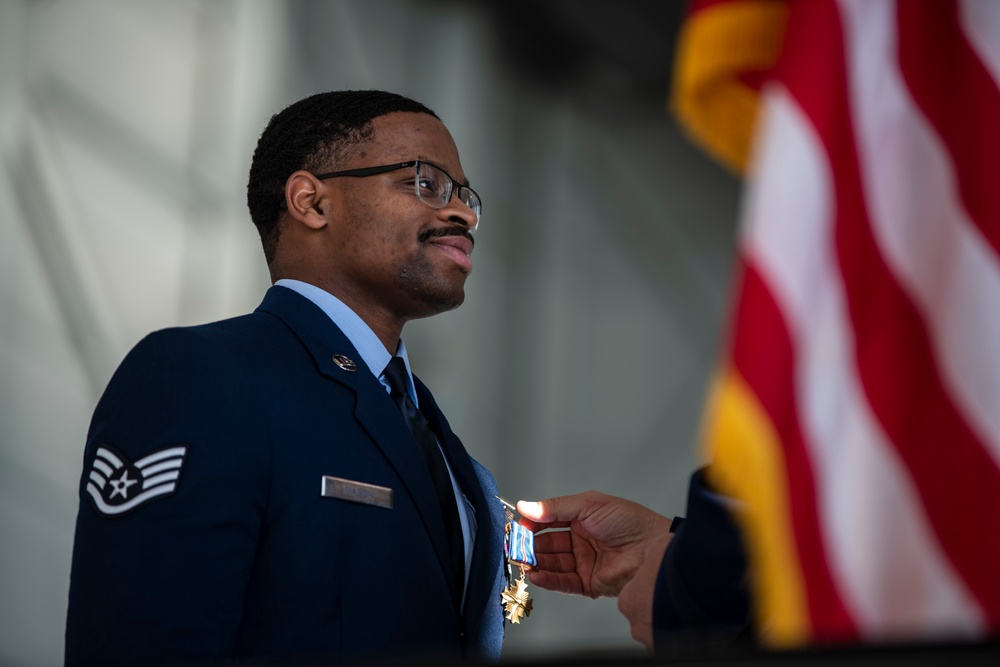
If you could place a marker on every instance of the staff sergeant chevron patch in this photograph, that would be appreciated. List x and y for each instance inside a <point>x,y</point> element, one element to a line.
<point>117,486</point>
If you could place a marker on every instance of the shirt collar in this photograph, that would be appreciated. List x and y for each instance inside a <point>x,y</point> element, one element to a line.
<point>368,345</point>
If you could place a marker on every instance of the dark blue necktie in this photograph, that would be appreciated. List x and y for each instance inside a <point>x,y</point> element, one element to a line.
<point>395,375</point>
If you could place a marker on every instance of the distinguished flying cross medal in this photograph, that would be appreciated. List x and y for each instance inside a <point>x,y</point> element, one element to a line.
<point>519,550</point>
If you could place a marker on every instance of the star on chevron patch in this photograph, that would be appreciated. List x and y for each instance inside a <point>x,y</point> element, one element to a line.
<point>118,486</point>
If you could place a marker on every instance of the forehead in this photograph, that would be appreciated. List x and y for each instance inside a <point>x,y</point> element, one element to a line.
<point>402,136</point>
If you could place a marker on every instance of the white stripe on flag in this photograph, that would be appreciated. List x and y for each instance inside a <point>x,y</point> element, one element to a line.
<point>919,222</point>
<point>980,20</point>
<point>880,549</point>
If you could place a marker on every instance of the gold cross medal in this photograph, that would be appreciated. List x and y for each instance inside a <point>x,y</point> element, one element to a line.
<point>519,550</point>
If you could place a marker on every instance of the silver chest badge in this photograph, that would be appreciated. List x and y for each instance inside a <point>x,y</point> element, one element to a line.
<point>345,363</point>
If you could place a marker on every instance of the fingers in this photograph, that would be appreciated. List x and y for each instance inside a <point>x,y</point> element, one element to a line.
<point>554,542</point>
<point>560,582</point>
<point>561,562</point>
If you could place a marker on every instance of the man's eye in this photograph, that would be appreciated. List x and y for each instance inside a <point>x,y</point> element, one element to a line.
<point>428,185</point>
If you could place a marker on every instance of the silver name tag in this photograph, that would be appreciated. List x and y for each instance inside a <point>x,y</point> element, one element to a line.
<point>358,492</point>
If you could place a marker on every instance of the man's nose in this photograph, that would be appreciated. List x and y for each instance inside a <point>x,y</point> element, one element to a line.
<point>458,211</point>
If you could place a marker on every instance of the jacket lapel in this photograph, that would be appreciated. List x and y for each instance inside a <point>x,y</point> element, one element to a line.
<point>487,551</point>
<point>373,408</point>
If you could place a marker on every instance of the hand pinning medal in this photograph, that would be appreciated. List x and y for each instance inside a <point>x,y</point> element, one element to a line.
<point>518,549</point>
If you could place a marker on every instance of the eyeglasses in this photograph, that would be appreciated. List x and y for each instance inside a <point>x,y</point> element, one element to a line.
<point>432,184</point>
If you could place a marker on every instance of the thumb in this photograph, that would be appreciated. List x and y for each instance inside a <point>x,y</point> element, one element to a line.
<point>560,508</point>
<point>531,509</point>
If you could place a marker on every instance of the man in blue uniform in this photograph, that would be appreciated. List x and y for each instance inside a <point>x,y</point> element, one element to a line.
<point>279,484</point>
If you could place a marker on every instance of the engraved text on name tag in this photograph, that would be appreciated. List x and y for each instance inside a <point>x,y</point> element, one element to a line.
<point>358,492</point>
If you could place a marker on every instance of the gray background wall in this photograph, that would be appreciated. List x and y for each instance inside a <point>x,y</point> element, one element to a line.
<point>593,318</point>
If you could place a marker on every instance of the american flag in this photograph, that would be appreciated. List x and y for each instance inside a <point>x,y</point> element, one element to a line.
<point>857,405</point>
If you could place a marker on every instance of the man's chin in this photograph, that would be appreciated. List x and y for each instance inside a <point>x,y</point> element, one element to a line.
<point>451,302</point>
<point>434,292</point>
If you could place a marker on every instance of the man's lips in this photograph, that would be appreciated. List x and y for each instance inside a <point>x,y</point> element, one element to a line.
<point>455,242</point>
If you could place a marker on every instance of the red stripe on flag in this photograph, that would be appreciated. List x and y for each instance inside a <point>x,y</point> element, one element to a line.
<point>764,356</point>
<point>957,95</point>
<point>958,482</point>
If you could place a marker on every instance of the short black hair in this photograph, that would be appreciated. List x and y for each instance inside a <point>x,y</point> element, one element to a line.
<point>313,133</point>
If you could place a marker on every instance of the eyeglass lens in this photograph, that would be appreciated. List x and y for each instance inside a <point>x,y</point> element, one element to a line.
<point>434,188</point>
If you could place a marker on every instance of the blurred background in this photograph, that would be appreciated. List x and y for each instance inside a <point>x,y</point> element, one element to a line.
<point>582,355</point>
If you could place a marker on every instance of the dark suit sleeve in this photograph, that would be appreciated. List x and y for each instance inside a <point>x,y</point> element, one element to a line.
<point>701,591</point>
<point>165,581</point>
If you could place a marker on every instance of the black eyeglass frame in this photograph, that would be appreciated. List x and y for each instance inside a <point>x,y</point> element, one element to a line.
<point>453,184</point>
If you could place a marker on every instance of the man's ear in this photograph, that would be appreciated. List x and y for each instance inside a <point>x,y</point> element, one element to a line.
<point>306,199</point>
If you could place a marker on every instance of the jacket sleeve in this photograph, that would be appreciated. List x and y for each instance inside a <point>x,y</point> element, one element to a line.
<point>161,577</point>
<point>701,592</point>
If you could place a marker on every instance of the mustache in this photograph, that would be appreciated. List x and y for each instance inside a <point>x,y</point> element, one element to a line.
<point>440,232</point>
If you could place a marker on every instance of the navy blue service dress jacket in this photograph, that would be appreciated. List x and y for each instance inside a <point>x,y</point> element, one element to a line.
<point>701,599</point>
<point>202,532</point>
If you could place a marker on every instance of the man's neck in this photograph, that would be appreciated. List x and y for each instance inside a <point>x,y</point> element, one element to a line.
<point>386,327</point>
